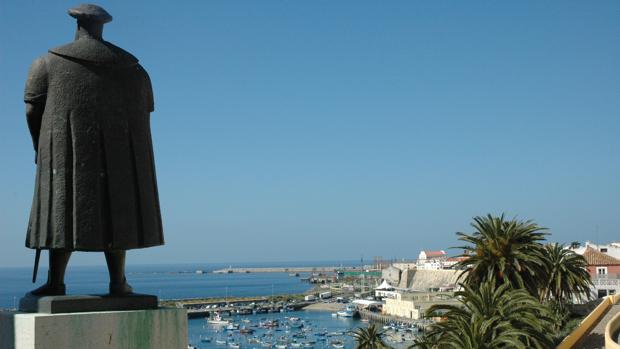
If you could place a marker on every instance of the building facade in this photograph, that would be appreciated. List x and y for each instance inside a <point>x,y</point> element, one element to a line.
<point>400,306</point>
<point>431,260</point>
<point>604,271</point>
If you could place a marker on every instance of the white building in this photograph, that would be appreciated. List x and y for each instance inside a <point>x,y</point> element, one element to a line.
<point>412,305</point>
<point>431,260</point>
<point>611,249</point>
<point>603,262</point>
<point>385,290</point>
<point>405,308</point>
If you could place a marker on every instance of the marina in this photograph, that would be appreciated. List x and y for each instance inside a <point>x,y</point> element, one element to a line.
<point>289,330</point>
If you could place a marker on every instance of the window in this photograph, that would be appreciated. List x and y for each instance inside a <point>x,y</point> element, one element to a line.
<point>604,250</point>
<point>601,271</point>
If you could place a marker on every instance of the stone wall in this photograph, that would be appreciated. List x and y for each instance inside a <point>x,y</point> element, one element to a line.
<point>423,280</point>
<point>391,274</point>
<point>402,308</point>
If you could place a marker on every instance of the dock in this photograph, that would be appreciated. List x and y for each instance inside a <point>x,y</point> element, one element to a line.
<point>204,307</point>
<point>197,311</point>
<point>381,318</point>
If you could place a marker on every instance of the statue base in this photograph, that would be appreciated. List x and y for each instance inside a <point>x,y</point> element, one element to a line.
<point>163,328</point>
<point>86,303</point>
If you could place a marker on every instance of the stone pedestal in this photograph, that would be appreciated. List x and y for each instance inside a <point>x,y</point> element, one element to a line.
<point>86,303</point>
<point>164,328</point>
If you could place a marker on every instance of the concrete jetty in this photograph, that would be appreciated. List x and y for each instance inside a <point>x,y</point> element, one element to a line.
<point>382,318</point>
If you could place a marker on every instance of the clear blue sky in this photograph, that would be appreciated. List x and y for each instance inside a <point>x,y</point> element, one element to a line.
<point>308,130</point>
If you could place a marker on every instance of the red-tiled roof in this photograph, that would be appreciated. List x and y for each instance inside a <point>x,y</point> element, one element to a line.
<point>430,254</point>
<point>594,257</point>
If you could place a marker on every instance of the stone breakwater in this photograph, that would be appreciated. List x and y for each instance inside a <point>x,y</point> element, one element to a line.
<point>285,270</point>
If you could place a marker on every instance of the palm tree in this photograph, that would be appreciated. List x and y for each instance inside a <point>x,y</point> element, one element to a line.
<point>490,317</point>
<point>369,338</point>
<point>424,342</point>
<point>565,275</point>
<point>506,250</point>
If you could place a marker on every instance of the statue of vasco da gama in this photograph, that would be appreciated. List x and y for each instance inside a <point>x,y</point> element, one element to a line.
<point>88,107</point>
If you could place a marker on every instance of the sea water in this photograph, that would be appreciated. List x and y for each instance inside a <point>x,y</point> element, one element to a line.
<point>170,281</point>
<point>314,323</point>
<point>178,281</point>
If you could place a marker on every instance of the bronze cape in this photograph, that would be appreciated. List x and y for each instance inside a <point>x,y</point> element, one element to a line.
<point>95,180</point>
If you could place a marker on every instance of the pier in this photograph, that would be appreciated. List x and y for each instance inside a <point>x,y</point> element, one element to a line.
<point>203,307</point>
<point>243,309</point>
<point>384,319</point>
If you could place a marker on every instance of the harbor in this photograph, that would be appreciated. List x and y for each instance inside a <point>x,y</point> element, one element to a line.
<point>288,330</point>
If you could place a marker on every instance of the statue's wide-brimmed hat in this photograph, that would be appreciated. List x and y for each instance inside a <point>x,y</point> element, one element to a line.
<point>90,13</point>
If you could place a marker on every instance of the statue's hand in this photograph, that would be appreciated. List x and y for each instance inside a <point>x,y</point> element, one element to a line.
<point>34,114</point>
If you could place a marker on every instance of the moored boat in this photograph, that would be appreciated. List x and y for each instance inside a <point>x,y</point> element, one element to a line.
<point>218,320</point>
<point>338,344</point>
<point>349,311</point>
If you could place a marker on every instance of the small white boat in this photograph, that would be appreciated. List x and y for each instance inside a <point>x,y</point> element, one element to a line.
<point>349,311</point>
<point>217,320</point>
<point>234,345</point>
<point>232,326</point>
<point>336,333</point>
<point>220,341</point>
<point>337,344</point>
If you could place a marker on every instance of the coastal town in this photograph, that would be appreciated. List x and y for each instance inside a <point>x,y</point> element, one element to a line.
<point>395,293</point>
<point>310,175</point>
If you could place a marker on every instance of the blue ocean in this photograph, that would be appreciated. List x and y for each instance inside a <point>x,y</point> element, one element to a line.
<point>167,281</point>
<point>176,281</point>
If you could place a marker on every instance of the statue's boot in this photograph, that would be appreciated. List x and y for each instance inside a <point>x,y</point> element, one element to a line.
<point>49,289</point>
<point>116,267</point>
<point>55,285</point>
<point>120,288</point>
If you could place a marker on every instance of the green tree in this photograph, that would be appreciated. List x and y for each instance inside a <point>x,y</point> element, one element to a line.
<point>490,317</point>
<point>565,276</point>
<point>369,338</point>
<point>506,250</point>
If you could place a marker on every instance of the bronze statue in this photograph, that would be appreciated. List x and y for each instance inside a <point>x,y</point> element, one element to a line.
<point>88,107</point>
